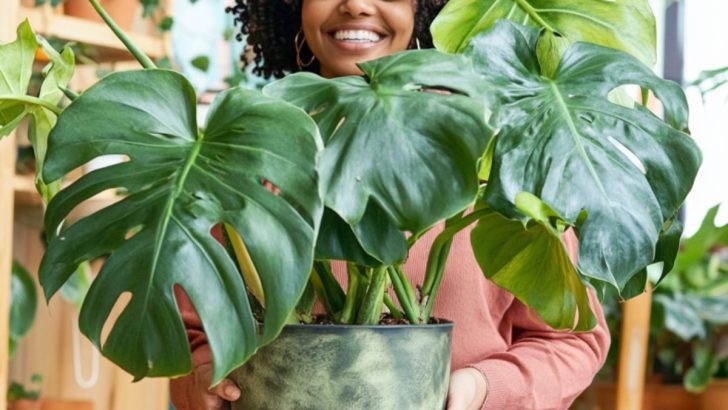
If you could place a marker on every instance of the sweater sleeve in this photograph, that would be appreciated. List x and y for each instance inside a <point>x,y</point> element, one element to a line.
<point>182,389</point>
<point>544,368</point>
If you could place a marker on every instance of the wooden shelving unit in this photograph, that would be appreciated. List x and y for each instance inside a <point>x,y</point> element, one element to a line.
<point>49,23</point>
<point>47,348</point>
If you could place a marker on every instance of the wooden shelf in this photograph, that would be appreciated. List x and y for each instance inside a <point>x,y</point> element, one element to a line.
<point>24,189</point>
<point>26,194</point>
<point>68,28</point>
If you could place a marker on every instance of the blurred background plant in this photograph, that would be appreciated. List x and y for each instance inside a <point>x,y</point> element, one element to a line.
<point>690,310</point>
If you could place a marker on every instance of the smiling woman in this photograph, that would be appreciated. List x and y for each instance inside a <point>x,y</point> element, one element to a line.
<point>342,34</point>
<point>275,32</point>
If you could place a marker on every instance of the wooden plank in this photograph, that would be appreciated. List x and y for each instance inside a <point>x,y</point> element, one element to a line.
<point>7,172</point>
<point>633,351</point>
<point>90,32</point>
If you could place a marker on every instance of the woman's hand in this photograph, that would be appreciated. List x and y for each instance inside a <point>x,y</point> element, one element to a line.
<point>215,398</point>
<point>468,389</point>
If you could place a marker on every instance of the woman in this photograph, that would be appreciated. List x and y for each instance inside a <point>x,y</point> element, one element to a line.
<point>503,355</point>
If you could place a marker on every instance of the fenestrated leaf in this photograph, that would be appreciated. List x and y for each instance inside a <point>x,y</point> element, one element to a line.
<point>23,302</point>
<point>16,66</point>
<point>415,153</point>
<point>182,182</point>
<point>531,262</point>
<point>615,173</point>
<point>627,25</point>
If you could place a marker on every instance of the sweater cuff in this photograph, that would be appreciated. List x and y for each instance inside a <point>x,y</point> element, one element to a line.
<point>498,375</point>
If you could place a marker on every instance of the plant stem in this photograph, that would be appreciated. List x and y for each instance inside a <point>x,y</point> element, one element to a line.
<point>534,15</point>
<point>142,58</point>
<point>69,93</point>
<point>328,289</point>
<point>437,259</point>
<point>409,304</point>
<point>393,309</point>
<point>371,309</point>
<point>355,289</point>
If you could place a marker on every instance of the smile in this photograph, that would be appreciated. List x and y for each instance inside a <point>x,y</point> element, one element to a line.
<point>360,36</point>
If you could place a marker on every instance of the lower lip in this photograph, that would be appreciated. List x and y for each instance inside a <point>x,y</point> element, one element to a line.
<point>355,46</point>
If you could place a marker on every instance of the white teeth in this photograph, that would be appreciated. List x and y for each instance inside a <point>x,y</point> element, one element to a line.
<point>357,35</point>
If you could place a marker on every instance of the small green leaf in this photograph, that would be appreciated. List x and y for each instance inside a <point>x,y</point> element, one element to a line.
<point>166,24</point>
<point>549,49</point>
<point>201,63</point>
<point>16,66</point>
<point>23,302</point>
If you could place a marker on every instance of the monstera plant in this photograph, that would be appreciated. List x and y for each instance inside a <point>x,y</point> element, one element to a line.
<point>508,128</point>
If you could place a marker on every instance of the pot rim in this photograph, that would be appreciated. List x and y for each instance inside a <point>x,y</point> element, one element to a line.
<point>444,324</point>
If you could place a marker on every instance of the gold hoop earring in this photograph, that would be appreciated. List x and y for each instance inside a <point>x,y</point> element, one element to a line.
<point>299,42</point>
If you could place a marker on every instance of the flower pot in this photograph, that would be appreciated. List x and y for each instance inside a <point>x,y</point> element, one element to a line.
<point>715,396</point>
<point>123,12</point>
<point>349,367</point>
<point>24,405</point>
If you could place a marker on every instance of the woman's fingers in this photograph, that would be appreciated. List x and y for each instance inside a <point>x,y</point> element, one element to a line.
<point>227,390</point>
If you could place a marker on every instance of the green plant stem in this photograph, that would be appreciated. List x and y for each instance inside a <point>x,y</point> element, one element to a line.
<point>409,304</point>
<point>69,93</point>
<point>393,309</point>
<point>327,288</point>
<point>534,15</point>
<point>371,309</point>
<point>142,58</point>
<point>437,260</point>
<point>27,99</point>
<point>356,286</point>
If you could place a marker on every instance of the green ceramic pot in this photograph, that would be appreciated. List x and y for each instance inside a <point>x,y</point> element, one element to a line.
<point>321,367</point>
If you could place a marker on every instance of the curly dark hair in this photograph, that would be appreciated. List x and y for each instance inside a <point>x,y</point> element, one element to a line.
<point>271,27</point>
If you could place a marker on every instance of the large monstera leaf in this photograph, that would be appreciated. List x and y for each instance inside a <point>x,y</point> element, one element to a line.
<point>181,182</point>
<point>616,174</point>
<point>626,25</point>
<point>393,150</point>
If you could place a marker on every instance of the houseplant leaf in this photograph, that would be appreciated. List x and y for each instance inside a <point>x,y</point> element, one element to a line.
<point>16,66</point>
<point>181,182</point>
<point>424,169</point>
<point>23,303</point>
<point>511,253</point>
<point>608,170</point>
<point>626,25</point>
<point>708,236</point>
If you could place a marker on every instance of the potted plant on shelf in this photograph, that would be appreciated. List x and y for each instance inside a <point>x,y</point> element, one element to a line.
<point>690,332</point>
<point>20,398</point>
<point>602,169</point>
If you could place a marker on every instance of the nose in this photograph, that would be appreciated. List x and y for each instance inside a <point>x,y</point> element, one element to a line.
<point>357,8</point>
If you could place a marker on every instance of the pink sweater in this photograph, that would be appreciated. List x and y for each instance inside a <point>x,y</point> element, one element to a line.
<point>527,365</point>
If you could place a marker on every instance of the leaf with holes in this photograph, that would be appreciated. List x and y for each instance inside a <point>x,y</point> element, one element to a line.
<point>617,174</point>
<point>626,25</point>
<point>181,182</point>
<point>413,153</point>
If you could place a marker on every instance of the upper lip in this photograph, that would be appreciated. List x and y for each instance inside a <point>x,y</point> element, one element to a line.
<point>357,26</point>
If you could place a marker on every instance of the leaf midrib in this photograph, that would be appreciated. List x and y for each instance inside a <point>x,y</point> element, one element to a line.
<point>168,215</point>
<point>576,136</point>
